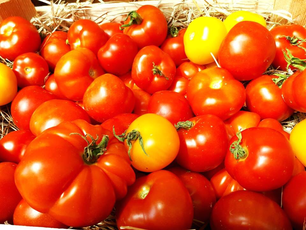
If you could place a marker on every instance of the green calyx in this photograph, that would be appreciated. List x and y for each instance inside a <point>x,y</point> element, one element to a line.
<point>184,125</point>
<point>135,19</point>
<point>236,149</point>
<point>157,71</point>
<point>294,61</point>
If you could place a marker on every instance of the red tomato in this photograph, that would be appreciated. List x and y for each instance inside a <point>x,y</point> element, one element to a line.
<point>106,97</point>
<point>201,192</point>
<point>265,157</point>
<point>288,37</point>
<point>111,28</point>
<point>75,71</point>
<point>274,124</point>
<point>75,174</point>
<point>87,34</point>
<point>27,216</point>
<point>53,47</point>
<point>142,99</point>
<point>9,195</point>
<point>14,144</point>
<point>117,55</point>
<point>25,103</point>
<point>30,69</point>
<point>174,45</point>
<point>215,91</point>
<point>170,105</point>
<point>153,69</point>
<point>146,26</point>
<point>247,50</point>
<point>17,36</point>
<point>264,97</point>
<point>203,143</point>
<point>52,87</point>
<point>248,210</point>
<point>156,192</point>
<point>53,112</point>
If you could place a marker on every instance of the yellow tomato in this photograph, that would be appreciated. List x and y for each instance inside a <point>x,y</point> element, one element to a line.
<point>8,84</point>
<point>297,141</point>
<point>203,38</point>
<point>156,145</point>
<point>239,16</point>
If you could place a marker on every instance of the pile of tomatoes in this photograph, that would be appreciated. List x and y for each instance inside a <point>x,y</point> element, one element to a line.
<point>173,128</point>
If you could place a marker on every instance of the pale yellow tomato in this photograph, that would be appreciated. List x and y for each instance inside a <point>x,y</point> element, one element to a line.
<point>239,16</point>
<point>298,141</point>
<point>203,38</point>
<point>8,84</point>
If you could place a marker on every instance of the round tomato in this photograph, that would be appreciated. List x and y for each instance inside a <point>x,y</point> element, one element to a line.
<point>247,51</point>
<point>203,38</point>
<point>297,137</point>
<point>17,36</point>
<point>8,84</point>
<point>274,124</point>
<point>158,201</point>
<point>111,28</point>
<point>52,87</point>
<point>142,99</point>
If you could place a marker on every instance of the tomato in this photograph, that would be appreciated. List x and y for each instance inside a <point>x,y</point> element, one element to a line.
<point>146,26</point>
<point>298,167</point>
<point>247,51</point>
<point>291,38</point>
<point>14,144</point>
<point>87,34</point>
<point>142,99</point>
<point>151,203</point>
<point>152,142</point>
<point>106,97</point>
<point>264,97</point>
<point>215,91</point>
<point>30,69</point>
<point>52,87</point>
<point>75,175</point>
<point>201,192</point>
<point>245,210</point>
<point>203,143</point>
<point>203,38</point>
<point>75,71</point>
<point>174,45</point>
<point>297,137</point>
<point>111,28</point>
<point>25,103</point>
<point>27,216</point>
<point>274,124</point>
<point>170,105</point>
<point>17,36</point>
<point>294,200</point>
<point>117,55</point>
<point>8,84</point>
<point>265,157</point>
<point>153,69</point>
<point>241,15</point>
<point>9,195</point>
<point>53,112</point>
<point>53,47</point>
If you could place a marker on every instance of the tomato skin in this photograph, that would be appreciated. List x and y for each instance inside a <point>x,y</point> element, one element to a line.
<point>14,144</point>
<point>142,99</point>
<point>106,97</point>
<point>297,137</point>
<point>111,28</point>
<point>152,30</point>
<point>9,195</point>
<point>75,71</point>
<point>52,87</point>
<point>27,216</point>
<point>8,84</point>
<point>274,124</point>
<point>215,91</point>
<point>155,192</point>
<point>244,210</point>
<point>17,36</point>
<point>243,39</point>
<point>204,145</point>
<point>268,161</point>
<point>264,97</point>
<point>117,55</point>
<point>30,69</point>
<point>149,59</point>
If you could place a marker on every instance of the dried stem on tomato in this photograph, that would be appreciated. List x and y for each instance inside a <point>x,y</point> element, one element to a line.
<point>135,18</point>
<point>184,125</point>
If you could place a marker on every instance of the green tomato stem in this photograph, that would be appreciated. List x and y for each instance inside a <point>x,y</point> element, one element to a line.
<point>236,149</point>
<point>135,18</point>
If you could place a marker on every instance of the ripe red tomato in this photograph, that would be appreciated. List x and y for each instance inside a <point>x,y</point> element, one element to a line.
<point>75,71</point>
<point>153,69</point>
<point>215,91</point>
<point>146,26</point>
<point>265,157</point>
<point>245,209</point>
<point>247,51</point>
<point>142,99</point>
<point>17,36</point>
<point>151,203</point>
<point>203,143</point>
<point>117,55</point>
<point>111,28</point>
<point>52,87</point>
<point>30,69</point>
<point>274,124</point>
